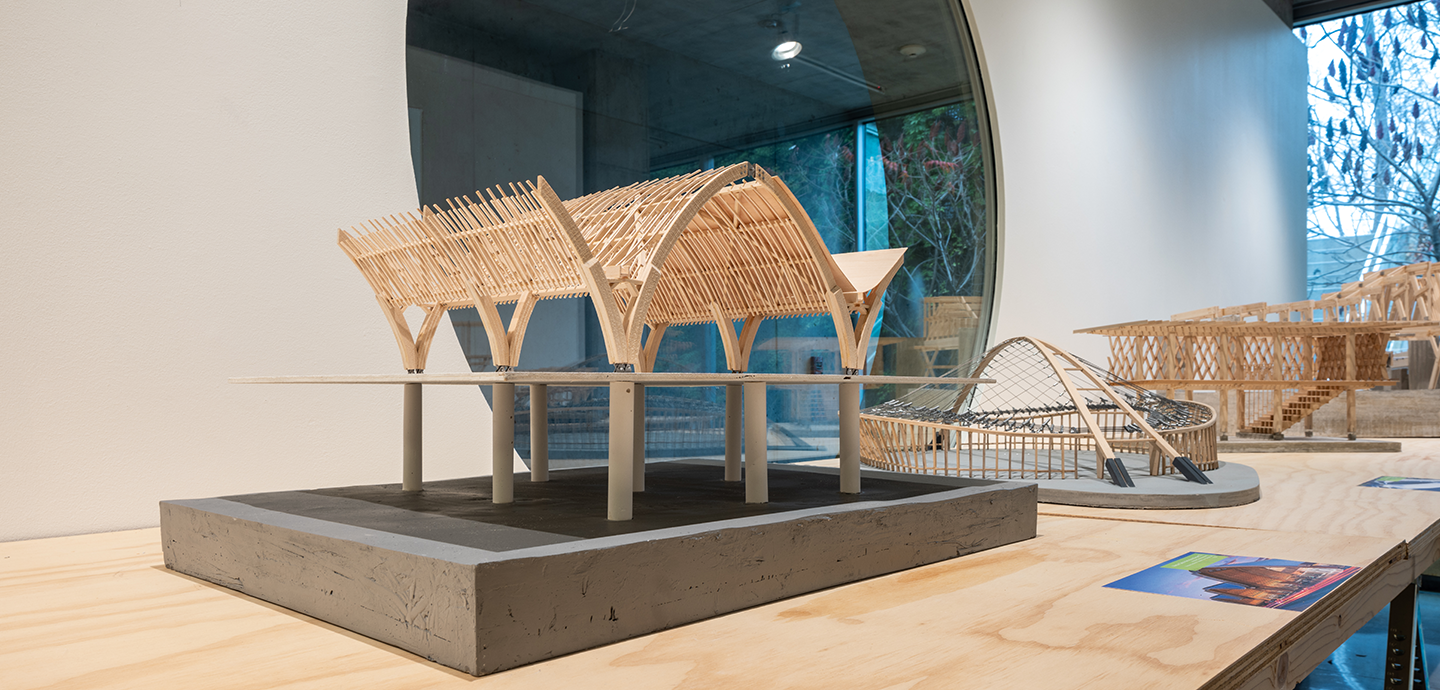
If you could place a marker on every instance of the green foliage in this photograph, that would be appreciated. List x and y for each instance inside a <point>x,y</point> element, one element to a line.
<point>935,187</point>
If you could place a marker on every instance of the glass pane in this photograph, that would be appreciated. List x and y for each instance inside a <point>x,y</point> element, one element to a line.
<point>1374,120</point>
<point>872,123</point>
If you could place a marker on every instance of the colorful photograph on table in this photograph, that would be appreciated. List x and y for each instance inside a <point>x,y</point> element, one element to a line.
<point>1270,583</point>
<point>1411,483</point>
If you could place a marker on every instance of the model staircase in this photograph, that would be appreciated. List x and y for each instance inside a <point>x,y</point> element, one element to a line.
<point>1295,408</point>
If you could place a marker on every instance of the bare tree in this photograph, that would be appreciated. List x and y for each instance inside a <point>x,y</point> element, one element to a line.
<point>1374,136</point>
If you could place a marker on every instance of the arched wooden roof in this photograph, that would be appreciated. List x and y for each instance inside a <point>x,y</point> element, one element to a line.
<point>711,246</point>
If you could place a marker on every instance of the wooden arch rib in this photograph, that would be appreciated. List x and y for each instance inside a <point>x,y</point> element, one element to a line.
<point>737,250</point>
<point>712,246</point>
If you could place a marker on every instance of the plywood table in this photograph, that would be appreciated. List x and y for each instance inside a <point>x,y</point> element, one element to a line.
<point>1314,494</point>
<point>627,422</point>
<point>100,611</point>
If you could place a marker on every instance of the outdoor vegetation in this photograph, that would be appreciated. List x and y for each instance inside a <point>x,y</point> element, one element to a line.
<point>1374,142</point>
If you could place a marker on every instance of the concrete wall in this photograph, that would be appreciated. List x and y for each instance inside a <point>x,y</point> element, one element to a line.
<point>172,179</point>
<point>1152,156</point>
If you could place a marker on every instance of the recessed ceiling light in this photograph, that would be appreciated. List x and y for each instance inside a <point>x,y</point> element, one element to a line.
<point>912,51</point>
<point>786,50</point>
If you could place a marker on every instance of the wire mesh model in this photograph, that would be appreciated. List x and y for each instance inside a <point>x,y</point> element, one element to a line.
<point>1049,415</point>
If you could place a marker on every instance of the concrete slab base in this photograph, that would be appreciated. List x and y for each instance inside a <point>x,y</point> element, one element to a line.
<point>480,587</point>
<point>1301,444</point>
<point>1233,485</point>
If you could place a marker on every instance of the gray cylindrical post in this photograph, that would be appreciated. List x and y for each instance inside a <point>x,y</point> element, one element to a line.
<point>734,431</point>
<point>638,435</point>
<point>849,438</point>
<point>757,484</point>
<point>539,433</point>
<point>502,444</point>
<point>410,475</point>
<point>621,504</point>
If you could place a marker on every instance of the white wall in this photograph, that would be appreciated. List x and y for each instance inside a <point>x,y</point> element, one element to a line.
<point>172,175</point>
<point>1152,156</point>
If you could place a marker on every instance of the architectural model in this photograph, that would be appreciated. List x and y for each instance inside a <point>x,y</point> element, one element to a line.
<point>1048,415</point>
<point>713,246</point>
<point>1284,360</point>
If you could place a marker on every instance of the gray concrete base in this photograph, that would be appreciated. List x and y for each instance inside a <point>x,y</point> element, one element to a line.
<point>1301,444</point>
<point>1234,485</point>
<point>482,588</point>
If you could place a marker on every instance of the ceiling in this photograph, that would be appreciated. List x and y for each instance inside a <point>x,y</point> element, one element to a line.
<point>1303,12</point>
<point>709,76</point>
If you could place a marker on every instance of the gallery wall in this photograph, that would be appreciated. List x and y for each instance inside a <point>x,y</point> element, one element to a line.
<point>173,175</point>
<point>1152,157</point>
<point>172,180</point>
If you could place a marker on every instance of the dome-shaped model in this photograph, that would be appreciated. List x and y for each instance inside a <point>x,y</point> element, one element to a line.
<point>1049,415</point>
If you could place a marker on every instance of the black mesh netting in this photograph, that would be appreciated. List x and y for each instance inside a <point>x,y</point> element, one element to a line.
<point>1028,395</point>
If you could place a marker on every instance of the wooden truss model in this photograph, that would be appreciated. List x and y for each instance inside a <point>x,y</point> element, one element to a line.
<point>1285,360</point>
<point>1405,295</point>
<point>1048,415</point>
<point>715,246</point>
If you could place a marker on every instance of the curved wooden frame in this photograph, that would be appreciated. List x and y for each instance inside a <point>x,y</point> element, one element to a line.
<point>937,447</point>
<point>717,246</point>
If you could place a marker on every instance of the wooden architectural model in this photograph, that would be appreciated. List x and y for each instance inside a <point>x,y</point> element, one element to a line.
<point>1285,360</point>
<point>716,246</point>
<point>1048,415</point>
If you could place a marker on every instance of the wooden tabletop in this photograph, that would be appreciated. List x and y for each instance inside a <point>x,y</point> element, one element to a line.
<point>1320,493</point>
<point>598,378</point>
<point>101,611</point>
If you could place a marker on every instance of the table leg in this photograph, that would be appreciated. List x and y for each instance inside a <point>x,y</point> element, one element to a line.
<point>410,475</point>
<point>502,443</point>
<point>757,486</point>
<point>1400,644</point>
<point>638,436</point>
<point>849,438</point>
<point>733,432</point>
<point>539,432</point>
<point>621,503</point>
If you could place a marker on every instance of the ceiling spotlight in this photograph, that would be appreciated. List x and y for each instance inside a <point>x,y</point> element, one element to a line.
<point>912,51</point>
<point>786,50</point>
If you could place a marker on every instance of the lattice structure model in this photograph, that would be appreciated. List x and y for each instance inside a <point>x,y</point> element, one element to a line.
<point>949,320</point>
<point>1405,295</point>
<point>1049,415</point>
<point>1279,370</point>
<point>716,246</point>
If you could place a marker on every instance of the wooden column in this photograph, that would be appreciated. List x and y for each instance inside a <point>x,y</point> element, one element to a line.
<point>410,474</point>
<point>1224,413</point>
<point>638,436</point>
<point>733,432</point>
<point>539,432</point>
<point>502,443</point>
<point>1222,362</point>
<point>849,438</point>
<point>1350,374</point>
<point>1277,400</point>
<point>621,503</point>
<point>757,487</point>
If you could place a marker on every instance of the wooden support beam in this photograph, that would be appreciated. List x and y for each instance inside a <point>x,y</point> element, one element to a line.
<point>734,430</point>
<point>757,486</point>
<point>539,432</point>
<point>621,504</point>
<point>849,438</point>
<point>638,439</point>
<point>502,443</point>
<point>411,472</point>
<point>1350,374</point>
